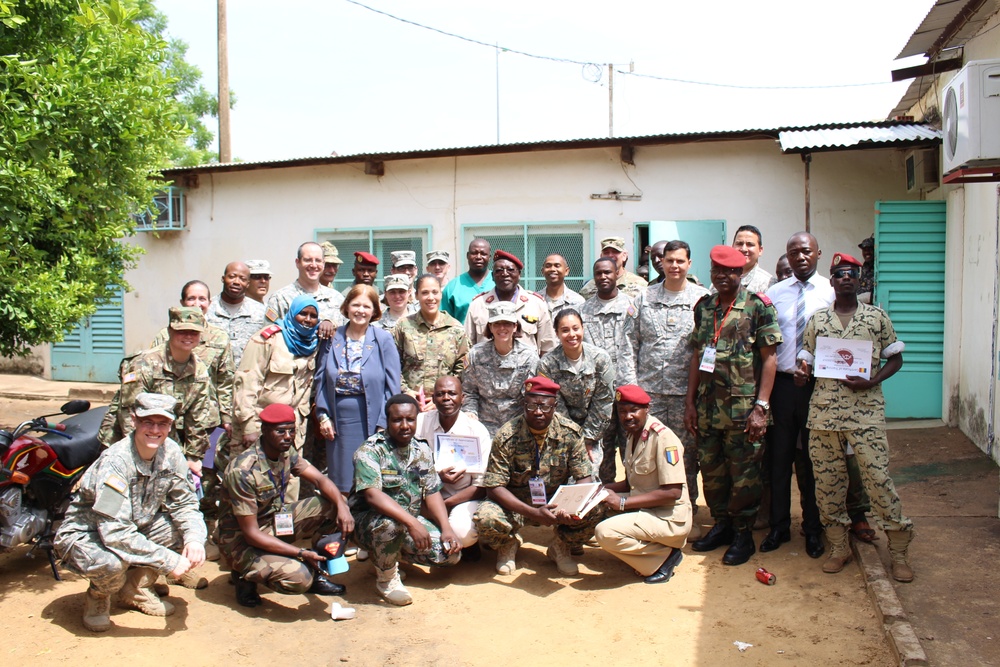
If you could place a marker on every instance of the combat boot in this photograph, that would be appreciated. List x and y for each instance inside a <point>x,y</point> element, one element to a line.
<point>721,534</point>
<point>391,588</point>
<point>741,549</point>
<point>138,594</point>
<point>899,542</point>
<point>189,579</point>
<point>840,549</point>
<point>96,611</point>
<point>559,553</point>
<point>506,554</point>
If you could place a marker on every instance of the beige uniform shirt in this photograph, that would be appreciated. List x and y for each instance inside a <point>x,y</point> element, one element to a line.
<point>656,458</point>
<point>533,316</point>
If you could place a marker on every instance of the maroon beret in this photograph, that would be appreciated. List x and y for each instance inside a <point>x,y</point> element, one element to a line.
<point>841,259</point>
<point>502,254</point>
<point>727,256</point>
<point>362,257</point>
<point>277,413</point>
<point>631,393</point>
<point>541,385</point>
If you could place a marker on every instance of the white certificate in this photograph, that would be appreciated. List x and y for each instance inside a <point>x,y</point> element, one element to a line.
<point>460,452</point>
<point>837,358</point>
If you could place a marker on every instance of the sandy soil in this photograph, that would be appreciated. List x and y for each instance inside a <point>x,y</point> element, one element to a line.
<point>469,616</point>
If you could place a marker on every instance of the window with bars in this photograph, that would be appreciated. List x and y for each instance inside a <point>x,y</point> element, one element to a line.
<point>534,241</point>
<point>381,243</point>
<point>166,214</point>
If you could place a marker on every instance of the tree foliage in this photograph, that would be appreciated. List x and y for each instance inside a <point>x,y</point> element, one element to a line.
<point>87,114</point>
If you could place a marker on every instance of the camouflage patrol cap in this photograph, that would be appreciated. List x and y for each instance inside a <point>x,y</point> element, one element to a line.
<point>403,258</point>
<point>259,267</point>
<point>502,311</point>
<point>616,242</point>
<point>397,281</point>
<point>330,253</point>
<point>147,405</point>
<point>187,319</point>
<point>438,256</point>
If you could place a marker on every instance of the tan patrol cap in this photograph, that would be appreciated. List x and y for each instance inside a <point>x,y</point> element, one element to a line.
<point>616,242</point>
<point>330,253</point>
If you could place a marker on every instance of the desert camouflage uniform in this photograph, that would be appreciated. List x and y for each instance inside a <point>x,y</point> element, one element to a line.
<point>247,321</point>
<point>255,486</point>
<point>329,301</point>
<point>725,398</point>
<point>428,352</point>
<point>533,314</point>
<point>512,464</point>
<point>130,513</point>
<point>493,385</point>
<point>756,281</point>
<point>407,476</point>
<point>662,354</point>
<point>155,372</point>
<point>569,299</point>
<point>840,417</point>
<point>630,284</point>
<point>216,351</point>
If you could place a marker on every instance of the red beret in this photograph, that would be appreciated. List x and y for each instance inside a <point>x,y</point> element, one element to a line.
<point>362,257</point>
<point>501,254</point>
<point>541,385</point>
<point>277,413</point>
<point>631,393</point>
<point>842,258</point>
<point>727,256</point>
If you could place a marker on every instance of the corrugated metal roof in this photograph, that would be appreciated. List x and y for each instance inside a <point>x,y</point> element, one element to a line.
<point>940,18</point>
<point>803,141</point>
<point>914,93</point>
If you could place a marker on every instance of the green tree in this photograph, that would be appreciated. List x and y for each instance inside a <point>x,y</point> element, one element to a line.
<point>87,116</point>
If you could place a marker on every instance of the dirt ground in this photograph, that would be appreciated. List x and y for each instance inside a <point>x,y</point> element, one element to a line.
<point>467,615</point>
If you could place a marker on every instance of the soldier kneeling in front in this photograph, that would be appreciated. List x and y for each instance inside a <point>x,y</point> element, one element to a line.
<point>135,517</point>
<point>257,525</point>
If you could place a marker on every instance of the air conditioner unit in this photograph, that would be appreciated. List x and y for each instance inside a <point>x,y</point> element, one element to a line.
<point>972,116</point>
<point>922,169</point>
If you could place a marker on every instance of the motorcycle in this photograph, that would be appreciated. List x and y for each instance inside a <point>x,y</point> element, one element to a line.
<point>39,475</point>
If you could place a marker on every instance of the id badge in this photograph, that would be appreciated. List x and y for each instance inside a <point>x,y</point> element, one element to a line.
<point>708,360</point>
<point>537,487</point>
<point>283,524</point>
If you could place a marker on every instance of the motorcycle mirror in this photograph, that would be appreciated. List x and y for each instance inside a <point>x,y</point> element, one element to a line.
<point>75,407</point>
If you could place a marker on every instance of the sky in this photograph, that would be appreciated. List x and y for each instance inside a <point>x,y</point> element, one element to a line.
<point>314,77</point>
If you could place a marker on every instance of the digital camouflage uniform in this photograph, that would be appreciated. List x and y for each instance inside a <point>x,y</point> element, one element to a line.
<point>253,485</point>
<point>155,372</point>
<point>130,513</point>
<point>428,352</point>
<point>387,321</point>
<point>533,316</point>
<point>493,384</point>
<point>569,299</point>
<point>240,326</point>
<point>407,476</point>
<point>662,355</point>
<point>628,283</point>
<point>512,463</point>
<point>730,476</point>
<point>840,417</point>
<point>329,301</point>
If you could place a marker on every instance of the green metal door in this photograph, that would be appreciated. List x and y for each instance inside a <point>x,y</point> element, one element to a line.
<point>95,347</point>
<point>909,274</point>
<point>701,235</point>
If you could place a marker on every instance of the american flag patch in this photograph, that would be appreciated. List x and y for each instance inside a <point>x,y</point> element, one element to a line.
<point>672,456</point>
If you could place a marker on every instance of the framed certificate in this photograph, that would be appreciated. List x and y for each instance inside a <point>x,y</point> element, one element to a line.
<point>461,452</point>
<point>837,358</point>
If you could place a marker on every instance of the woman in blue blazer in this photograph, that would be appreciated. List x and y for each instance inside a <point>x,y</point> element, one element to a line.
<point>357,371</point>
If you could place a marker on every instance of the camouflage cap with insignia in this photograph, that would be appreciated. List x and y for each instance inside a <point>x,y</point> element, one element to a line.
<point>148,404</point>
<point>330,253</point>
<point>502,311</point>
<point>396,281</point>
<point>438,256</point>
<point>187,319</point>
<point>403,258</point>
<point>259,267</point>
<point>616,242</point>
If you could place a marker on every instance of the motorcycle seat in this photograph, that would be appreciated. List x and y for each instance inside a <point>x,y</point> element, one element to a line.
<point>84,448</point>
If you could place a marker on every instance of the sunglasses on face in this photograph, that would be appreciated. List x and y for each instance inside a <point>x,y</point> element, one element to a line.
<point>846,273</point>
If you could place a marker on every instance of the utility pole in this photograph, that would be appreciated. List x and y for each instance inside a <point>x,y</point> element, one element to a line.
<point>225,148</point>
<point>611,100</point>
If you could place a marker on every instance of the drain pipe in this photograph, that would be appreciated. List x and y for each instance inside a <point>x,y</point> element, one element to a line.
<point>991,428</point>
<point>806,161</point>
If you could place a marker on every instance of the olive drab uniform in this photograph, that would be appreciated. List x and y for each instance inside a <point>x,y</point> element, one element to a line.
<point>492,385</point>
<point>130,513</point>
<point>533,316</point>
<point>154,371</point>
<point>253,485</point>
<point>407,476</point>
<point>426,352</point>
<point>725,398</point>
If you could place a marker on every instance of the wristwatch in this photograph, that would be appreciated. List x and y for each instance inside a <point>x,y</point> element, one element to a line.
<point>764,404</point>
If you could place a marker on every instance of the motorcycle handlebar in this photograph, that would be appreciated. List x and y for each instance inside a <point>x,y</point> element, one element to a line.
<point>55,432</point>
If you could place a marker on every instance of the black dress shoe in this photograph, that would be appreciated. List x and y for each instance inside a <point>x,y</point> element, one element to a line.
<point>323,586</point>
<point>741,549</point>
<point>666,571</point>
<point>814,545</point>
<point>472,554</point>
<point>774,539</point>
<point>246,591</point>
<point>720,535</point>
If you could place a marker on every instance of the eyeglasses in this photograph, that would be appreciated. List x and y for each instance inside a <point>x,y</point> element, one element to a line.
<point>151,425</point>
<point>260,277</point>
<point>504,269</point>
<point>544,408</point>
<point>846,273</point>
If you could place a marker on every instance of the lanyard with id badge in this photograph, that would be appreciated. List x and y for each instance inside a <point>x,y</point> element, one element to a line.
<point>536,485</point>
<point>708,356</point>
<point>284,525</point>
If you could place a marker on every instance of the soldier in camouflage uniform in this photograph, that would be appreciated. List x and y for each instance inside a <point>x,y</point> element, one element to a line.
<point>628,283</point>
<point>659,342</point>
<point>556,295</point>
<point>134,516</point>
<point>395,489</point>
<point>849,415</point>
<point>539,447</point>
<point>395,298</point>
<point>497,370</point>
<point>233,312</point>
<point>310,264</point>
<point>729,384</point>
<point>259,522</point>
<point>171,369</point>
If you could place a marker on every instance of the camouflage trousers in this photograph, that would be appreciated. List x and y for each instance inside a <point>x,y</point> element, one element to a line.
<point>106,571</point>
<point>498,527</point>
<point>827,449</point>
<point>670,411</point>
<point>612,444</point>
<point>389,542</point>
<point>229,448</point>
<point>730,476</point>
<point>282,574</point>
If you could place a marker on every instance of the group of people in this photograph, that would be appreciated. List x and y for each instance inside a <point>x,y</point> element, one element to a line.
<point>321,412</point>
